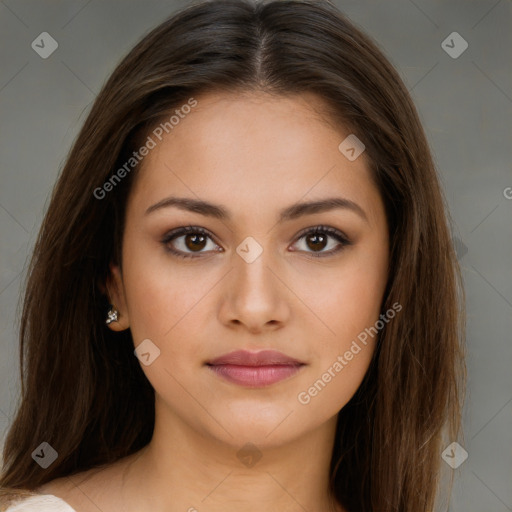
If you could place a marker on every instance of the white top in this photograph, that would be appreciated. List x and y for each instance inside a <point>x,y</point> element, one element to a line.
<point>40,503</point>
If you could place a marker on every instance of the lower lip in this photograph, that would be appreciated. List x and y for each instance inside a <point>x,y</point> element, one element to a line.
<point>255,376</point>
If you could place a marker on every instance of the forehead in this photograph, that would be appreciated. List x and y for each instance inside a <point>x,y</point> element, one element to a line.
<point>234,145</point>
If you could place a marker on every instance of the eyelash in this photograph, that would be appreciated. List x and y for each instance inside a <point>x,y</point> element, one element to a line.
<point>326,230</point>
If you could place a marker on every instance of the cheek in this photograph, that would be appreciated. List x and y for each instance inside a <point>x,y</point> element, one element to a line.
<point>342,359</point>
<point>350,306</point>
<point>356,304</point>
<point>160,298</point>
<point>333,388</point>
<point>345,299</point>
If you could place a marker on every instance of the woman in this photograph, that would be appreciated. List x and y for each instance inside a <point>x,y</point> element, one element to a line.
<point>244,294</point>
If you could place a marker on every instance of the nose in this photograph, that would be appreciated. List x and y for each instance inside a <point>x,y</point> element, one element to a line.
<point>255,296</point>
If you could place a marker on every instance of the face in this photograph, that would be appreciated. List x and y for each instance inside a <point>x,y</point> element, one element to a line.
<point>258,270</point>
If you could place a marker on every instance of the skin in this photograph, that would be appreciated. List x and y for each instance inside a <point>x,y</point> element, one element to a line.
<point>254,154</point>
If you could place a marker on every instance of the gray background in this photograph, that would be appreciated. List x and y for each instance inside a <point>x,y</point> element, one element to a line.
<point>465,104</point>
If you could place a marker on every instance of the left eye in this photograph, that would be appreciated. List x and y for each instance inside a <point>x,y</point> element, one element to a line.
<point>317,239</point>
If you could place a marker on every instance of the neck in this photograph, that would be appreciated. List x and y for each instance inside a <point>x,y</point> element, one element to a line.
<point>186,470</point>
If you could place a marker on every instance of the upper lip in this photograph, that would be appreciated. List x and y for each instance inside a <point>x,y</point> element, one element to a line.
<point>247,358</point>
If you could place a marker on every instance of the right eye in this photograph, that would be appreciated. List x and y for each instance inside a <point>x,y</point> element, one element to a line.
<point>187,240</point>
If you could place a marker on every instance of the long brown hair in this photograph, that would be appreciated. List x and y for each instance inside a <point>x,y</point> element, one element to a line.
<point>76,374</point>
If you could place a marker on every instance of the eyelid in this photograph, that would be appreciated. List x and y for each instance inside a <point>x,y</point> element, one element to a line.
<point>324,229</point>
<point>183,230</point>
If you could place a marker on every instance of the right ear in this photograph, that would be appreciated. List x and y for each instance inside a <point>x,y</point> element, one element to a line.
<point>116,296</point>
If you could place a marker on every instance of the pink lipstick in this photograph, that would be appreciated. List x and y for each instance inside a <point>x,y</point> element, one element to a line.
<point>255,369</point>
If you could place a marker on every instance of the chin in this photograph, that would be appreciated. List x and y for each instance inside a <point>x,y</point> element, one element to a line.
<point>265,425</point>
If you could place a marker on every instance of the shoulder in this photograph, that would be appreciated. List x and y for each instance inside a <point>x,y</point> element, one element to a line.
<point>71,493</point>
<point>50,497</point>
<point>9,495</point>
<point>33,502</point>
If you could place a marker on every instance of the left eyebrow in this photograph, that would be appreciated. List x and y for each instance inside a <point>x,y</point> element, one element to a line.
<point>322,205</point>
<point>291,212</point>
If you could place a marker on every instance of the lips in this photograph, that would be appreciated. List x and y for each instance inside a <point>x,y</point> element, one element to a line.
<point>255,369</point>
<point>246,358</point>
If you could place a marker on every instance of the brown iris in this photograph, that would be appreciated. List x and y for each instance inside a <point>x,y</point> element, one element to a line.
<point>316,241</point>
<point>195,241</point>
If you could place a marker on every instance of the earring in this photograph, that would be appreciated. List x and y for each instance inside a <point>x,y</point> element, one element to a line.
<point>112,315</point>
